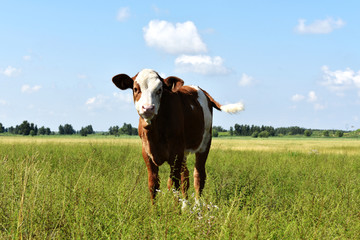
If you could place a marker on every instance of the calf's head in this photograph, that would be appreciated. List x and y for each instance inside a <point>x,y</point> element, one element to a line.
<point>148,88</point>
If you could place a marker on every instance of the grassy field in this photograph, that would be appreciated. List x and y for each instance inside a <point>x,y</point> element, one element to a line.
<point>96,188</point>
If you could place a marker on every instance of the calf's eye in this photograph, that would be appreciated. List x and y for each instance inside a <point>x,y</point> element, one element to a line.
<point>158,92</point>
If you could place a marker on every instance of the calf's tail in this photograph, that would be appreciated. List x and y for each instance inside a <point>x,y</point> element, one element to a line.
<point>233,108</point>
<point>229,108</point>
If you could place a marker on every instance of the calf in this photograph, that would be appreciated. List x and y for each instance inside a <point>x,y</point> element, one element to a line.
<point>175,120</point>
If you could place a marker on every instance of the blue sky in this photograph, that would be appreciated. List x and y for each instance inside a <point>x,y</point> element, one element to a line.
<point>291,63</point>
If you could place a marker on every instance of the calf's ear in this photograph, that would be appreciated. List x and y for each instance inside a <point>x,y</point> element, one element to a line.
<point>123,81</point>
<point>173,83</point>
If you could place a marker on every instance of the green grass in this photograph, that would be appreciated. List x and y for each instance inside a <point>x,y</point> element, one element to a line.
<point>96,188</point>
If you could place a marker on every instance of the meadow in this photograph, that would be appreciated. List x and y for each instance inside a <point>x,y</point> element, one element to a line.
<point>96,188</point>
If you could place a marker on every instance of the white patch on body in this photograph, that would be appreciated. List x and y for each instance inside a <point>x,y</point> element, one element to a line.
<point>151,91</point>
<point>202,99</point>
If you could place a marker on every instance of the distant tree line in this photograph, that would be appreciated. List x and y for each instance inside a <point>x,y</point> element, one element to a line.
<point>67,129</point>
<point>126,129</point>
<point>27,128</point>
<point>86,130</point>
<point>269,131</point>
<point>247,130</point>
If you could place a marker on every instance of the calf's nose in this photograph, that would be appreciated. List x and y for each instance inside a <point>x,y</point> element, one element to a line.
<point>148,108</point>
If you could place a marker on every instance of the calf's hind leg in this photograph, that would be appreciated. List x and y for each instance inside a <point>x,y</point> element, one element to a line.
<point>200,174</point>
<point>185,182</point>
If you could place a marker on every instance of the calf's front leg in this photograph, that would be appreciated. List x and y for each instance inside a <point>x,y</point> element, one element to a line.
<point>153,176</point>
<point>179,172</point>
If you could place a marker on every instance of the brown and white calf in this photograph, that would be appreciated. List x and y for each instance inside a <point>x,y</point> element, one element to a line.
<point>175,120</point>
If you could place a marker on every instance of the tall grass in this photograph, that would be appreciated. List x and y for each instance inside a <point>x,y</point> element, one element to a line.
<point>97,189</point>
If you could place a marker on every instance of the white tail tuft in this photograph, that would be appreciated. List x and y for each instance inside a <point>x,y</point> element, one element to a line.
<point>233,108</point>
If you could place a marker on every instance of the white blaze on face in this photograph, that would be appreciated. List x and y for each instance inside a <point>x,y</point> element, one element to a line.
<point>151,90</point>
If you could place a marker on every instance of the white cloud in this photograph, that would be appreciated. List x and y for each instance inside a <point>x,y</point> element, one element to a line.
<point>319,26</point>
<point>181,38</point>
<point>209,31</point>
<point>123,14</point>
<point>27,58</point>
<point>312,96</point>
<point>81,76</point>
<point>28,89</point>
<point>201,64</point>
<point>107,102</point>
<point>3,102</point>
<point>339,81</point>
<point>318,106</point>
<point>10,71</point>
<point>159,11</point>
<point>163,75</point>
<point>97,102</point>
<point>297,98</point>
<point>246,80</point>
<point>123,97</point>
<point>90,101</point>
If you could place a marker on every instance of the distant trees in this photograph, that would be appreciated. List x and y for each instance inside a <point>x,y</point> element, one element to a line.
<point>262,134</point>
<point>255,134</point>
<point>67,129</point>
<point>44,131</point>
<point>27,128</point>
<point>247,130</point>
<point>215,132</point>
<point>231,131</point>
<point>332,133</point>
<point>86,130</point>
<point>290,131</point>
<point>114,130</point>
<point>61,130</point>
<point>24,129</point>
<point>339,133</point>
<point>326,133</point>
<point>219,129</point>
<point>126,129</point>
<point>307,133</point>
<point>269,131</point>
